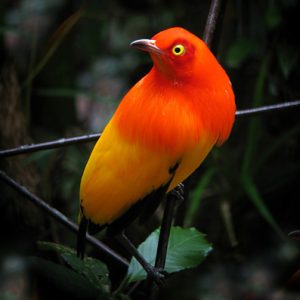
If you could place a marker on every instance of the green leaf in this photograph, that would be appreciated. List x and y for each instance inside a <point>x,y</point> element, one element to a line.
<point>92,269</point>
<point>187,248</point>
<point>65,279</point>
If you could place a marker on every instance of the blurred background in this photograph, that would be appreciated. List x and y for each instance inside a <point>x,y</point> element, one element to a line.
<point>64,67</point>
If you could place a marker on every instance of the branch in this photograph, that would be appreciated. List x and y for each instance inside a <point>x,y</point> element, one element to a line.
<point>267,108</point>
<point>50,145</point>
<point>93,137</point>
<point>57,215</point>
<point>212,20</point>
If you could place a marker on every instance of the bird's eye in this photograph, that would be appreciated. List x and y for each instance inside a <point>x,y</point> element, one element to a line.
<point>178,50</point>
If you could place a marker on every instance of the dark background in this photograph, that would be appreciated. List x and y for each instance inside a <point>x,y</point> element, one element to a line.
<point>63,75</point>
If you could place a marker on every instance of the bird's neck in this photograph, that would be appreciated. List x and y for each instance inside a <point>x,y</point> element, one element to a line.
<point>161,114</point>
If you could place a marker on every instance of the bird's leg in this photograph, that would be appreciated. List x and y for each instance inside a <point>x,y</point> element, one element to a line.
<point>177,193</point>
<point>153,272</point>
<point>174,198</point>
<point>81,239</point>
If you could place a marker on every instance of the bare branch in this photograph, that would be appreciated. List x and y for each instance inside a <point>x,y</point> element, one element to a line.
<point>267,108</point>
<point>57,215</point>
<point>50,145</point>
<point>93,137</point>
<point>211,22</point>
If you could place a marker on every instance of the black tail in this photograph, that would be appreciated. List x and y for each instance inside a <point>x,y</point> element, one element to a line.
<point>81,237</point>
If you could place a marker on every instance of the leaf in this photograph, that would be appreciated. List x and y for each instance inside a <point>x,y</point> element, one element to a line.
<point>65,279</point>
<point>92,269</point>
<point>187,248</point>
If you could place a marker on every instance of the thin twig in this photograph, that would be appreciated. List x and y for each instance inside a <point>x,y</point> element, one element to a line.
<point>57,215</point>
<point>267,108</point>
<point>211,22</point>
<point>50,145</point>
<point>93,137</point>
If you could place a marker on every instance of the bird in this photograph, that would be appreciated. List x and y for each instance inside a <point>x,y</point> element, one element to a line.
<point>160,133</point>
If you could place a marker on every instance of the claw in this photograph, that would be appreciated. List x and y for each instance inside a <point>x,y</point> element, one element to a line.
<point>158,275</point>
<point>178,193</point>
<point>163,272</point>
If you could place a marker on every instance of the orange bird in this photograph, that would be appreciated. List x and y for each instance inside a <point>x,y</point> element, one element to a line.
<point>161,132</point>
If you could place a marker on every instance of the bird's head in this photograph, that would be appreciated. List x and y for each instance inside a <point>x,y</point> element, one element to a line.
<point>180,55</point>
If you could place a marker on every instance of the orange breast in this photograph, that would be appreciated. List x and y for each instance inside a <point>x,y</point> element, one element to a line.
<point>154,127</point>
<point>159,117</point>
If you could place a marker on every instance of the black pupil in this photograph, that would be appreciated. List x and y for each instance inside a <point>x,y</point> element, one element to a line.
<point>177,49</point>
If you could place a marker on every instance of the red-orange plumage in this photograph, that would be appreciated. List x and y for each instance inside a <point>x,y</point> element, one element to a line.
<point>175,114</point>
<point>197,85</point>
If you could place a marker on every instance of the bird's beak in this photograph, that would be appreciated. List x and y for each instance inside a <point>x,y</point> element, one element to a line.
<point>146,45</point>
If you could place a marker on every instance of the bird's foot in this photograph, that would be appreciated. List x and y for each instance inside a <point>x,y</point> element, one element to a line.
<point>177,193</point>
<point>158,275</point>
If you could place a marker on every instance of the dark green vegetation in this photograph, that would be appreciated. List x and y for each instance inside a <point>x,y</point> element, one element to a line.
<point>65,67</point>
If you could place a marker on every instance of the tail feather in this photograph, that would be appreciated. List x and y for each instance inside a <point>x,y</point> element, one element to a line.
<point>81,239</point>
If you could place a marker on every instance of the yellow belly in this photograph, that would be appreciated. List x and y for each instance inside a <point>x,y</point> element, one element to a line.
<point>191,160</point>
<point>120,173</point>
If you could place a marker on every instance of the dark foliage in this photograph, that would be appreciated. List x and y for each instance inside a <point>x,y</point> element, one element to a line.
<point>64,67</point>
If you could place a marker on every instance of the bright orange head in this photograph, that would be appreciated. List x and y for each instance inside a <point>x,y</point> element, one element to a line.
<point>184,64</point>
<point>179,55</point>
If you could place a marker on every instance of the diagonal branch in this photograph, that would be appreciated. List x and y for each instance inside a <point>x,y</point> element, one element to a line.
<point>94,136</point>
<point>268,108</point>
<point>57,215</point>
<point>50,145</point>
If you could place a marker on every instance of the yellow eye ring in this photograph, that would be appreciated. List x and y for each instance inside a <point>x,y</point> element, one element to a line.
<point>178,50</point>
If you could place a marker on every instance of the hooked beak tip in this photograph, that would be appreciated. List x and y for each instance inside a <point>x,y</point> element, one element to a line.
<point>146,45</point>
